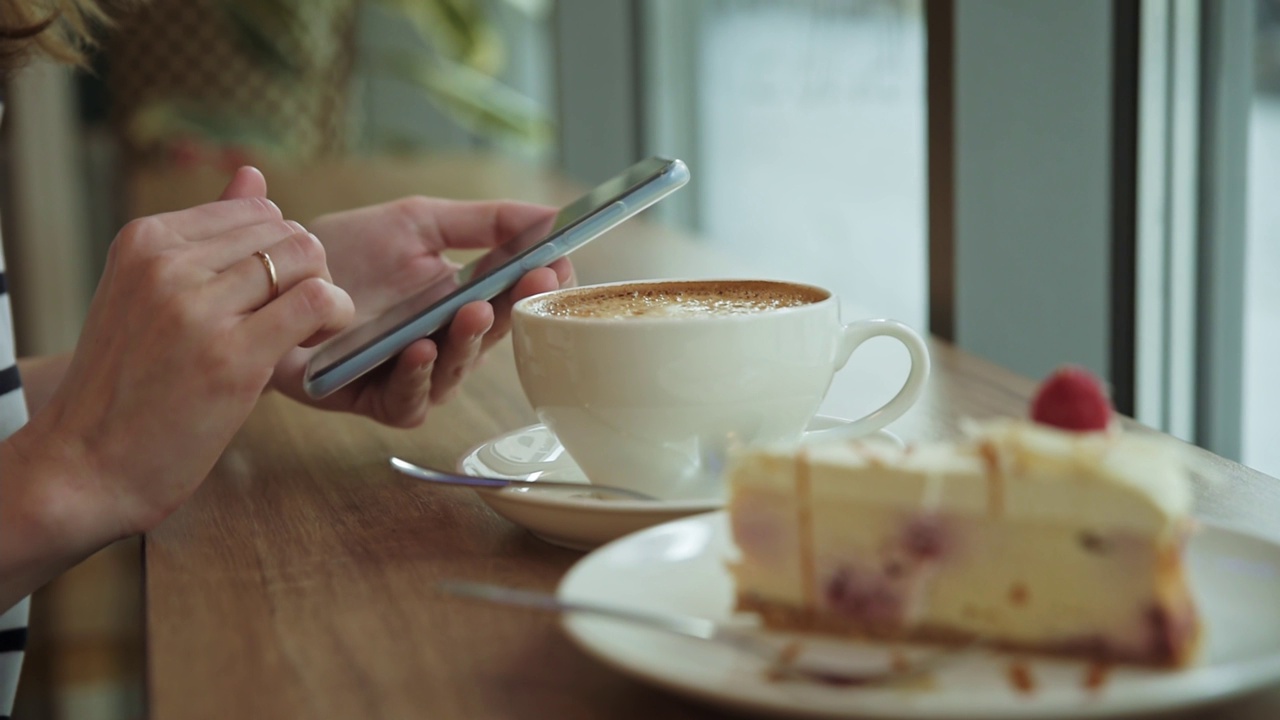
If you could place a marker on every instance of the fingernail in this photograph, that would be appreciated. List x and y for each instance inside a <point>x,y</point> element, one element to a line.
<point>295,225</point>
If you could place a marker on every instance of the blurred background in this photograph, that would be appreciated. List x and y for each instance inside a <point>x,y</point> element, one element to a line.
<point>348,102</point>
<point>1068,180</point>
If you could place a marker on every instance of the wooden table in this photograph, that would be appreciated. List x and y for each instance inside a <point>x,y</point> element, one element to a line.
<point>299,581</point>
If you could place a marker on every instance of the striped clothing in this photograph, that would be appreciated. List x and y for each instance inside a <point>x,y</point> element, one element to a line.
<point>13,414</point>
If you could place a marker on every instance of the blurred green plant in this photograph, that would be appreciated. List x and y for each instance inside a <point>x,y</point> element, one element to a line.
<point>457,71</point>
<point>456,66</point>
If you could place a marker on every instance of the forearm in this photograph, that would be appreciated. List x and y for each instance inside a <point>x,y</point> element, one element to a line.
<point>42,531</point>
<point>40,377</point>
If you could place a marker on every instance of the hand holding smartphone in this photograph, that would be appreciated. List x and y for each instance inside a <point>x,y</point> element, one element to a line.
<point>366,346</point>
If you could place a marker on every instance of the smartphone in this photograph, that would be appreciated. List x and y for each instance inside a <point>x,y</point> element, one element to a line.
<point>358,350</point>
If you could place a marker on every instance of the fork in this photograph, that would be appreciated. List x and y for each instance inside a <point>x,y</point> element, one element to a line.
<point>785,660</point>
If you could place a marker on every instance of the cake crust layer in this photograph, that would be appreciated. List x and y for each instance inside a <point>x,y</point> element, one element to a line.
<point>1178,628</point>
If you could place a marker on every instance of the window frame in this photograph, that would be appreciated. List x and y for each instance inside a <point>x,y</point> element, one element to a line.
<point>1129,184</point>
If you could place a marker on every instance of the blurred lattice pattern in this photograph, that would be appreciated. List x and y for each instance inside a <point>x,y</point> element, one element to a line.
<point>179,70</point>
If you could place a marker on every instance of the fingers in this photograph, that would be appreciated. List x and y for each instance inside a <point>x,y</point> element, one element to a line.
<point>461,224</point>
<point>210,219</point>
<point>306,314</point>
<point>219,254</point>
<point>246,182</point>
<point>534,282</point>
<point>407,394</point>
<point>248,282</point>
<point>478,325</point>
<point>461,346</point>
<point>564,272</point>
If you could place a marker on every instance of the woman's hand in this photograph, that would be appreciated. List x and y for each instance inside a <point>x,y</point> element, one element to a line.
<point>180,341</point>
<point>383,254</point>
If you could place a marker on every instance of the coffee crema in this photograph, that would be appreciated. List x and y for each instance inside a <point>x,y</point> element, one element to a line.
<point>675,300</point>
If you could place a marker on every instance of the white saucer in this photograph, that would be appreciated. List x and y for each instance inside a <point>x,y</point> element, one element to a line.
<point>680,567</point>
<point>577,519</point>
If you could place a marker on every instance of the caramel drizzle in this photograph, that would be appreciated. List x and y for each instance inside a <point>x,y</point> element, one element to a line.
<point>1096,676</point>
<point>995,478</point>
<point>804,527</point>
<point>1021,678</point>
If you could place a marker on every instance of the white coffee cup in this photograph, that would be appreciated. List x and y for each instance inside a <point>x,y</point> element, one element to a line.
<point>647,390</point>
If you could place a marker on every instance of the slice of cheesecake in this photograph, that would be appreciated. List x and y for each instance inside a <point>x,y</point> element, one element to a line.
<point>1025,536</point>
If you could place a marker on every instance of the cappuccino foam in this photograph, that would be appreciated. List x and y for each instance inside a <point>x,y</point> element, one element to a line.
<point>677,300</point>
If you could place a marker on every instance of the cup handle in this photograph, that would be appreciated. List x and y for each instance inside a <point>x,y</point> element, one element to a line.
<point>852,336</point>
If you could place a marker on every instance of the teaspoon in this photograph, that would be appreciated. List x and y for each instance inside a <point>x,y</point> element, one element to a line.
<point>444,478</point>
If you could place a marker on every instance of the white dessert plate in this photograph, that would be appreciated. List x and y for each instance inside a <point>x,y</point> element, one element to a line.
<point>680,567</point>
<point>578,519</point>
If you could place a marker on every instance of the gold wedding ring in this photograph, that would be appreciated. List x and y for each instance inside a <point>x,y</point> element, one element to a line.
<point>271,273</point>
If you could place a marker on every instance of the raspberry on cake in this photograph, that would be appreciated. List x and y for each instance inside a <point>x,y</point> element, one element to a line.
<point>1072,399</point>
<point>1041,538</point>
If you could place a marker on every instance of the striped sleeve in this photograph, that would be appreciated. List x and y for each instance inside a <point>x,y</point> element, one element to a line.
<point>13,407</point>
<point>13,414</point>
<point>13,641</point>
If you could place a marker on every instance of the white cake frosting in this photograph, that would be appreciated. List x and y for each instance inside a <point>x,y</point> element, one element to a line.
<point>1144,478</point>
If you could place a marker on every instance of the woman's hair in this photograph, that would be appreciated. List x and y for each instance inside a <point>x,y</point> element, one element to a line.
<point>61,29</point>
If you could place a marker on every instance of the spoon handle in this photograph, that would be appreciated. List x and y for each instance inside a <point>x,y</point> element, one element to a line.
<point>782,658</point>
<point>443,478</point>
<point>699,628</point>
